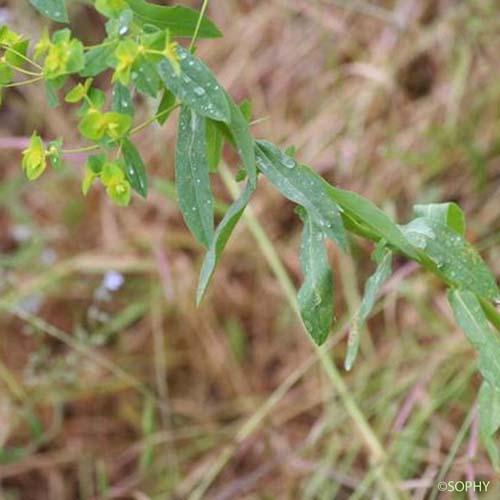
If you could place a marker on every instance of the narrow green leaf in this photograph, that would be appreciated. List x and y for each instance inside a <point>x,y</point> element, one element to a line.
<point>301,185</point>
<point>240,131</point>
<point>315,297</point>
<point>191,176</point>
<point>220,239</point>
<point>454,258</point>
<point>237,133</point>
<point>165,107</point>
<point>372,289</point>
<point>121,100</point>
<point>363,212</point>
<point>447,213</point>
<point>97,60</point>
<point>180,21</point>
<point>472,320</point>
<point>195,85</point>
<point>134,168</point>
<point>215,143</point>
<point>53,9</point>
<point>489,420</point>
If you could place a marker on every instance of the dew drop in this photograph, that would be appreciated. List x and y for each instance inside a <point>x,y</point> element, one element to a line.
<point>199,91</point>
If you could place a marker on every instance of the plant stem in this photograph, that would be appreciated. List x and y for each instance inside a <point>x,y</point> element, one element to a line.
<point>377,453</point>
<point>198,25</point>
<point>21,55</point>
<point>24,82</point>
<point>135,130</point>
<point>22,70</point>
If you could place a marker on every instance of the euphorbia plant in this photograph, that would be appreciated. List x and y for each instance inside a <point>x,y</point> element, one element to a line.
<point>141,55</point>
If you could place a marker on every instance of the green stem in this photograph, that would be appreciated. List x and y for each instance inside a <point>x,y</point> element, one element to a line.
<point>22,56</point>
<point>23,83</point>
<point>135,130</point>
<point>151,120</point>
<point>198,25</point>
<point>22,70</point>
<point>377,453</point>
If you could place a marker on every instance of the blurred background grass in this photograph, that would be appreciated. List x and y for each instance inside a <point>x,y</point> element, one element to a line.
<point>114,385</point>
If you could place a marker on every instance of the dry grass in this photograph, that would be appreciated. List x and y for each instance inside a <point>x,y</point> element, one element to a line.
<point>138,394</point>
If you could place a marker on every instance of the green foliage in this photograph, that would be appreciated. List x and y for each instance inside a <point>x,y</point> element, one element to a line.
<point>301,185</point>
<point>64,56</point>
<point>472,319</point>
<point>372,288</point>
<point>446,213</point>
<point>191,176</point>
<point>449,255</point>
<point>145,61</point>
<point>489,420</point>
<point>219,241</point>
<point>180,21</point>
<point>194,85</point>
<point>315,296</point>
<point>134,167</point>
<point>34,158</point>
<point>53,9</point>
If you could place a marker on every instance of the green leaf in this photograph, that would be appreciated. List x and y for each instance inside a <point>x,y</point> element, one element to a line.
<point>215,143</point>
<point>301,185</point>
<point>145,77</point>
<point>447,213</point>
<point>93,125</point>
<point>240,132</point>
<point>220,239</point>
<point>489,420</point>
<point>121,100</point>
<point>372,289</point>
<point>54,153</point>
<point>110,8</point>
<point>78,92</point>
<point>53,9</point>
<point>65,56</point>
<point>98,59</point>
<point>34,158</point>
<point>180,21</point>
<point>191,176</point>
<point>470,317</point>
<point>195,86</point>
<point>315,297</point>
<point>117,187</point>
<point>363,212</point>
<point>165,107</point>
<point>451,256</point>
<point>134,168</point>
<point>51,93</point>
<point>14,54</point>
<point>120,25</point>
<point>6,74</point>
